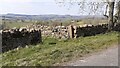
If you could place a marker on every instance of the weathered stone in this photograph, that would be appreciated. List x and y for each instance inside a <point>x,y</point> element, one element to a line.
<point>71,31</point>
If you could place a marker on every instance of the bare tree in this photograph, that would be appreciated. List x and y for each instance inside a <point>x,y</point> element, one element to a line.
<point>94,6</point>
<point>110,17</point>
<point>118,11</point>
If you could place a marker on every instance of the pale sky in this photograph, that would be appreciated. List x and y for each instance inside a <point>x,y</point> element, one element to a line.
<point>37,7</point>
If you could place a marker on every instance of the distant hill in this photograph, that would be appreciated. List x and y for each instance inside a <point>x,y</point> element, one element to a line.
<point>11,16</point>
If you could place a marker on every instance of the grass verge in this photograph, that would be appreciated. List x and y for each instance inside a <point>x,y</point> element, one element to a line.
<point>47,54</point>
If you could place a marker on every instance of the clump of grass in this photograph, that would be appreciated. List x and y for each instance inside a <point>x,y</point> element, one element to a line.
<point>46,54</point>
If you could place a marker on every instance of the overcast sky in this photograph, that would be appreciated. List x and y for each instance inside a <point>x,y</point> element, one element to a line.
<point>38,7</point>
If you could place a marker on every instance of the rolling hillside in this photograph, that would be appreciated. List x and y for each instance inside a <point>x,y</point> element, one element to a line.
<point>11,16</point>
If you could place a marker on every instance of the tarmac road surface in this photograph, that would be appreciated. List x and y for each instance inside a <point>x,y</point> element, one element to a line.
<point>107,57</point>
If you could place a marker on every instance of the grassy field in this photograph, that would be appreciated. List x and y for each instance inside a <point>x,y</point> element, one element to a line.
<point>11,25</point>
<point>91,21</point>
<point>17,24</point>
<point>47,54</point>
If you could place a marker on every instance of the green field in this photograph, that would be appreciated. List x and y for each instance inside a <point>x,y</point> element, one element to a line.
<point>47,54</point>
<point>18,25</point>
<point>11,24</point>
<point>91,21</point>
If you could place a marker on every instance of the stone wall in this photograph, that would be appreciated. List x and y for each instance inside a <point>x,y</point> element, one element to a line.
<point>90,30</point>
<point>60,32</point>
<point>117,27</point>
<point>13,38</point>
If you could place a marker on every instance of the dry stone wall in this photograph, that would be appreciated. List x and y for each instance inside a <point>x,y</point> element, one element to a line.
<point>90,30</point>
<point>13,38</point>
<point>117,27</point>
<point>60,32</point>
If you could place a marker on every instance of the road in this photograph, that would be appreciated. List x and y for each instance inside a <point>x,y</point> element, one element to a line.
<point>107,57</point>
